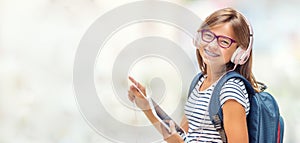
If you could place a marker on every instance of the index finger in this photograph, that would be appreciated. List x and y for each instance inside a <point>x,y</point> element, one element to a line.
<point>132,80</point>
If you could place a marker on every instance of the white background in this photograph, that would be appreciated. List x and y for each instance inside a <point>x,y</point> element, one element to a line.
<point>38,41</point>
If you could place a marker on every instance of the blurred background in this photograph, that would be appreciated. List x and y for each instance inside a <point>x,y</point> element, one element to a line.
<point>38,42</point>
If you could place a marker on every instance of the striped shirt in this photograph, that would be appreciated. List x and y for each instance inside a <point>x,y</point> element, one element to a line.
<point>201,128</point>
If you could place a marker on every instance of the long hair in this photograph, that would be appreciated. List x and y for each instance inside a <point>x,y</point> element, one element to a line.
<point>242,33</point>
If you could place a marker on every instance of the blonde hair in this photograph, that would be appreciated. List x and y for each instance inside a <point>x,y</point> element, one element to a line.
<point>242,33</point>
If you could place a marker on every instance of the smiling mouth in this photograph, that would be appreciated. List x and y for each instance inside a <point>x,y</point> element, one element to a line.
<point>209,53</point>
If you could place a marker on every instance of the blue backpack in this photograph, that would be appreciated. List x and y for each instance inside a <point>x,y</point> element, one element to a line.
<point>265,125</point>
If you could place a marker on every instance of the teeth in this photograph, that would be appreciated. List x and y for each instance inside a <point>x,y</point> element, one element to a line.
<point>210,53</point>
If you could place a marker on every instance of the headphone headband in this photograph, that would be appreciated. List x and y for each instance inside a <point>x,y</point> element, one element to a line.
<point>240,56</point>
<point>249,48</point>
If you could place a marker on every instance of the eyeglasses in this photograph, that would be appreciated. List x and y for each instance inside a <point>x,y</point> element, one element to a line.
<point>208,36</point>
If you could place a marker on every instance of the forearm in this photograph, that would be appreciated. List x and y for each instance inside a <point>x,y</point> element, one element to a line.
<point>152,119</point>
<point>174,138</point>
<point>184,124</point>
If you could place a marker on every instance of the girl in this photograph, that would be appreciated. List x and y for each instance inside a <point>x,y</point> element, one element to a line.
<point>224,43</point>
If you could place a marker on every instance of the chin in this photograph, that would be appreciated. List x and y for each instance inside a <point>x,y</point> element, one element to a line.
<point>214,62</point>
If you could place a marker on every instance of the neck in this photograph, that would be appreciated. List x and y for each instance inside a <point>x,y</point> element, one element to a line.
<point>214,73</point>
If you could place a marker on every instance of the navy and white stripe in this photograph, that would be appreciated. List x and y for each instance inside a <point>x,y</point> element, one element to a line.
<point>235,89</point>
<point>201,128</point>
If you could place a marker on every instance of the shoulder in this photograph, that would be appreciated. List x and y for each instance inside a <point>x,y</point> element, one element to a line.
<point>235,89</point>
<point>234,85</point>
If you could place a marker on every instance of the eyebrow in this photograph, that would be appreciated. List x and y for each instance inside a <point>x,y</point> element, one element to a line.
<point>222,34</point>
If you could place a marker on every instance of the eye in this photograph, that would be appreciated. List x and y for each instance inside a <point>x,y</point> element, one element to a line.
<point>224,41</point>
<point>208,36</point>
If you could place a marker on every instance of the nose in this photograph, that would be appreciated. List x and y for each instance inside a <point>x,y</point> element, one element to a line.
<point>213,44</point>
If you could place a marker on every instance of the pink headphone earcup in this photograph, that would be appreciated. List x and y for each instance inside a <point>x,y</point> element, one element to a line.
<point>237,56</point>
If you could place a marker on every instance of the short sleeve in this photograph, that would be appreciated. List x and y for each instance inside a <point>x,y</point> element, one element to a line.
<point>235,89</point>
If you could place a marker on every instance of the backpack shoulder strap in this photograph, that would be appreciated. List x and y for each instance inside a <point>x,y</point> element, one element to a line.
<point>194,82</point>
<point>215,111</point>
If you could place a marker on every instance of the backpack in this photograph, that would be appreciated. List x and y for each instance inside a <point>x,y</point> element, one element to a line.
<point>265,125</point>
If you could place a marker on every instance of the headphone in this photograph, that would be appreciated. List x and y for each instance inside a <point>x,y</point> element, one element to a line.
<point>240,56</point>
